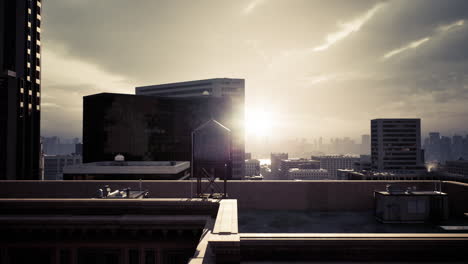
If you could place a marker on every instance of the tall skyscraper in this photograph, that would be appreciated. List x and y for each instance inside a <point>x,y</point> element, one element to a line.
<point>145,128</point>
<point>217,87</point>
<point>396,145</point>
<point>20,88</point>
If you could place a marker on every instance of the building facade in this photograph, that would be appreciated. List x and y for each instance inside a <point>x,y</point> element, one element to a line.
<point>332,163</point>
<point>20,89</point>
<point>288,164</point>
<point>396,145</point>
<point>308,174</point>
<point>219,88</point>
<point>252,167</point>
<point>145,128</point>
<point>54,164</point>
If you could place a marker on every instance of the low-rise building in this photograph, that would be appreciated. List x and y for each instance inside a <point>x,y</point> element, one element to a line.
<point>299,163</point>
<point>54,164</point>
<point>308,174</point>
<point>332,163</point>
<point>252,167</point>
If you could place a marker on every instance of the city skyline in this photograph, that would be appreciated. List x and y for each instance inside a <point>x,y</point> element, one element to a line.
<point>313,69</point>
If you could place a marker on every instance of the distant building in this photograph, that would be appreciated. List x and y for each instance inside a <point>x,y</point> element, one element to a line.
<point>386,176</point>
<point>308,174</point>
<point>128,170</point>
<point>286,165</point>
<point>396,146</point>
<point>334,162</point>
<point>365,144</point>
<point>20,89</point>
<point>146,128</point>
<point>252,167</point>
<point>459,167</point>
<point>275,159</point>
<point>54,164</point>
<point>79,148</point>
<point>363,164</point>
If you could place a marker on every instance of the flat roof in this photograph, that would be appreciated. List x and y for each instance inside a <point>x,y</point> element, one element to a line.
<point>285,221</point>
<point>128,167</point>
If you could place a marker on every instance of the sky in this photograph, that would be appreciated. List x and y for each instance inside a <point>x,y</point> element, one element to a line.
<point>316,68</point>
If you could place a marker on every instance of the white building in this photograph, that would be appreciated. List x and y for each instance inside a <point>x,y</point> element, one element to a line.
<point>396,145</point>
<point>332,163</point>
<point>308,174</point>
<point>54,164</point>
<point>217,87</point>
<point>252,167</point>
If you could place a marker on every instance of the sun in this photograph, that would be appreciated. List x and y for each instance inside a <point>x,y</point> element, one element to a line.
<point>258,122</point>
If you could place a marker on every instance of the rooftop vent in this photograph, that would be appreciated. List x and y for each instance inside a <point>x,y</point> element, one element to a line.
<point>119,157</point>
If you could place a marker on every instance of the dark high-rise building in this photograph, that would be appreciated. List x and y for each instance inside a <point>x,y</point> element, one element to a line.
<point>216,87</point>
<point>146,128</point>
<point>396,145</point>
<point>20,87</point>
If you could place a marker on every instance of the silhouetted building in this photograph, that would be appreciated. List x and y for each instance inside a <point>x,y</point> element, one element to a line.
<point>146,128</point>
<point>20,88</point>
<point>396,146</point>
<point>275,159</point>
<point>216,87</point>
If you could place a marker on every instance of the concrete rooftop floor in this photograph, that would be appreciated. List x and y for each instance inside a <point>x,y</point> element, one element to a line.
<point>259,221</point>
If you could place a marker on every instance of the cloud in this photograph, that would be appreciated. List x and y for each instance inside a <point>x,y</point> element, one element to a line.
<point>251,6</point>
<point>415,44</point>
<point>411,45</point>
<point>348,28</point>
<point>451,26</point>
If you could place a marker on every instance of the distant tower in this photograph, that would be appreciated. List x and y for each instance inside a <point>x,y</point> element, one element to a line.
<point>20,89</point>
<point>396,145</point>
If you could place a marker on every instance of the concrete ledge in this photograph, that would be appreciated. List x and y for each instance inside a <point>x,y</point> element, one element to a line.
<point>226,220</point>
<point>354,247</point>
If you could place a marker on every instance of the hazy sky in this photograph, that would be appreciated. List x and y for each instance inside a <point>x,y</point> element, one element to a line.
<point>318,67</point>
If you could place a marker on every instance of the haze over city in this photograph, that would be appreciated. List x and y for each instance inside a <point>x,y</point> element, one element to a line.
<point>312,68</point>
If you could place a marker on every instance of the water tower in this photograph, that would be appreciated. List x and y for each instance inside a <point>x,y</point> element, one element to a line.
<point>211,158</point>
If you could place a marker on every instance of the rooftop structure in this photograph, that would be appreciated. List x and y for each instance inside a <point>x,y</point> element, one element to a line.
<point>128,170</point>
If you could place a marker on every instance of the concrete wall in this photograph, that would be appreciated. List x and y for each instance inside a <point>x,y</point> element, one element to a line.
<point>262,195</point>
